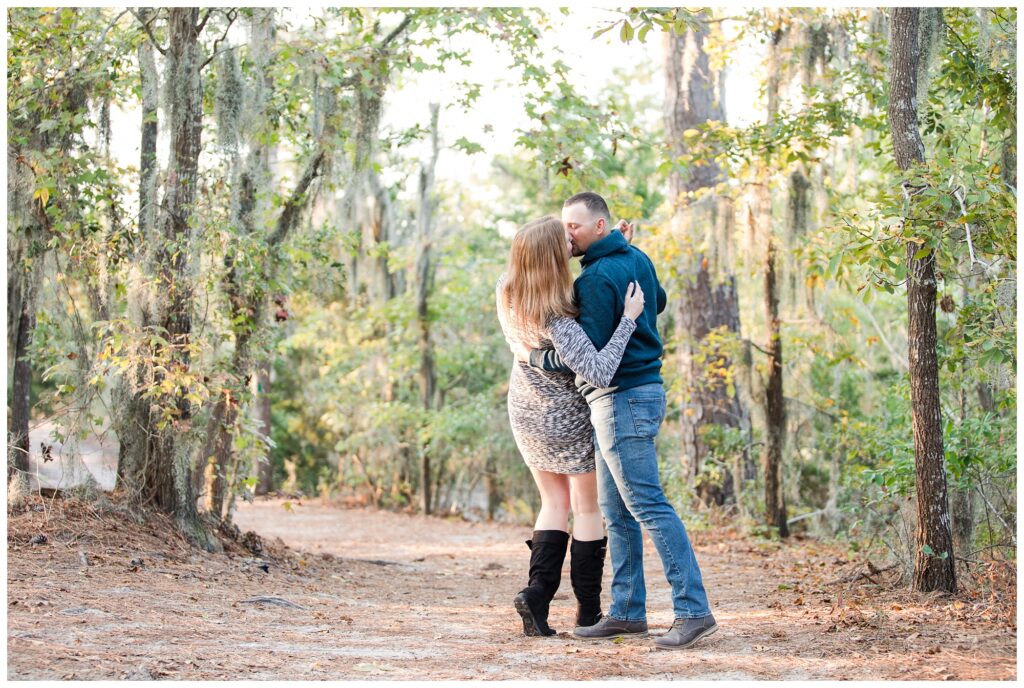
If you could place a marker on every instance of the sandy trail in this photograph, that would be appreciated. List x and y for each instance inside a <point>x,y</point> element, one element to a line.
<point>397,596</point>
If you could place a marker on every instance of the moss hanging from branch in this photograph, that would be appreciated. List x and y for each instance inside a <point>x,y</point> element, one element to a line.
<point>228,99</point>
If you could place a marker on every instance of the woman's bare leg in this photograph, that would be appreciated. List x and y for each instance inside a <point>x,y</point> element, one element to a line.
<point>547,553</point>
<point>587,523</point>
<point>554,500</point>
<point>586,561</point>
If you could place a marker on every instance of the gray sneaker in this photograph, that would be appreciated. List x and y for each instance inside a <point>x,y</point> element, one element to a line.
<point>685,632</point>
<point>608,628</point>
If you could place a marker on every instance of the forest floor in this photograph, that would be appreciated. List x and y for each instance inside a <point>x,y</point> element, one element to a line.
<point>365,594</point>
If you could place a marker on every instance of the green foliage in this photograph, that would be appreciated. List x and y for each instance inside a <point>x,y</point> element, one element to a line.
<point>576,145</point>
<point>639,21</point>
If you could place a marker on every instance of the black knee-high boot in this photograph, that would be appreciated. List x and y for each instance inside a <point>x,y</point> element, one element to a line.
<point>547,554</point>
<point>586,565</point>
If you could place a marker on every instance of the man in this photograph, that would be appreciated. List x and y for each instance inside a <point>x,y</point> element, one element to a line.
<point>626,418</point>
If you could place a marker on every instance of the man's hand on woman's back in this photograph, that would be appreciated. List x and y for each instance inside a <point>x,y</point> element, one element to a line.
<point>627,230</point>
<point>522,353</point>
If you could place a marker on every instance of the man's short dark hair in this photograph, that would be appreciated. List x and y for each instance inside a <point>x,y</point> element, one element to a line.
<point>595,204</point>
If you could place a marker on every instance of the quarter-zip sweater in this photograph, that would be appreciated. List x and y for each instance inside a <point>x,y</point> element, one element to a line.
<point>609,265</point>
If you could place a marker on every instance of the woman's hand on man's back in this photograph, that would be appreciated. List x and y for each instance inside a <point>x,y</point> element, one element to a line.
<point>634,305</point>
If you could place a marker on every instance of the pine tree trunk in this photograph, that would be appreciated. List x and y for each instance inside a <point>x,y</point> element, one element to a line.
<point>424,220</point>
<point>796,226</point>
<point>158,470</point>
<point>220,459</point>
<point>264,469</point>
<point>934,560</point>
<point>835,452</point>
<point>775,410</point>
<point>167,477</point>
<point>19,403</point>
<point>774,401</point>
<point>363,205</point>
<point>707,300</point>
<point>22,232</point>
<point>961,498</point>
<point>492,485</point>
<point>263,30</point>
<point>131,411</point>
<point>149,83</point>
<point>28,231</point>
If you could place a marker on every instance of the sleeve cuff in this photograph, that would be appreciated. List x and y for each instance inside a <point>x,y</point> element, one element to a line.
<point>537,358</point>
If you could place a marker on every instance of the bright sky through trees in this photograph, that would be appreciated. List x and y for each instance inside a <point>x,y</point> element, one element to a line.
<point>493,119</point>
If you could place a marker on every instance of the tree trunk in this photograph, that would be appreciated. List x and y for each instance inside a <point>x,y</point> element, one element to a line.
<point>149,83</point>
<point>825,435</point>
<point>796,229</point>
<point>220,457</point>
<point>131,411</point>
<point>934,560</point>
<point>168,470</point>
<point>491,485</point>
<point>424,220</point>
<point>19,404</point>
<point>263,34</point>
<point>23,231</point>
<point>265,468</point>
<point>707,302</point>
<point>774,401</point>
<point>28,230</point>
<point>159,469</point>
<point>961,497</point>
<point>775,409</point>
<point>363,205</point>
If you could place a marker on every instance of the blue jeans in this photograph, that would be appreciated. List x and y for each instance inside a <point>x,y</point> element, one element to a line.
<point>630,493</point>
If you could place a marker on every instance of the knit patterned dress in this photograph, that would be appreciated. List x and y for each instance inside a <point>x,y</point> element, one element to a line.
<point>550,419</point>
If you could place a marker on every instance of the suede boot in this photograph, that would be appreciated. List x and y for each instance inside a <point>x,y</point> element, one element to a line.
<point>547,554</point>
<point>586,565</point>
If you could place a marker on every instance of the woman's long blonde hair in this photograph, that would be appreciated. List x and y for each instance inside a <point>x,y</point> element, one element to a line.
<point>538,282</point>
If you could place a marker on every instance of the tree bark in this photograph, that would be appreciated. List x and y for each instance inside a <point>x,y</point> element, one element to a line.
<point>424,220</point>
<point>168,471</point>
<point>263,34</point>
<point>365,203</point>
<point>265,468</point>
<point>21,313</point>
<point>492,486</point>
<point>796,226</point>
<point>245,317</point>
<point>775,409</point>
<point>707,302</point>
<point>961,498</point>
<point>18,421</point>
<point>774,400</point>
<point>160,469</point>
<point>934,560</point>
<point>131,411</point>
<point>149,83</point>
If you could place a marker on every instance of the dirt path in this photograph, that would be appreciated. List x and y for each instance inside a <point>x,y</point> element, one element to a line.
<point>397,597</point>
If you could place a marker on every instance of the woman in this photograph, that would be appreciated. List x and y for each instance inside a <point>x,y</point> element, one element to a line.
<point>550,419</point>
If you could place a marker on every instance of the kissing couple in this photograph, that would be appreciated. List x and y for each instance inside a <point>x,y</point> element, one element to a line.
<point>585,402</point>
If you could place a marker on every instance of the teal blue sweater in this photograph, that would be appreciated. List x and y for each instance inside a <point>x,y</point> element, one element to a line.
<point>609,265</point>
